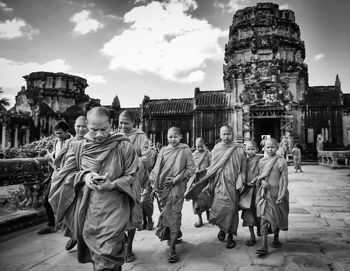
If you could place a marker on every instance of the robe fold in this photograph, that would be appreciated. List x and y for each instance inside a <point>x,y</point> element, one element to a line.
<point>171,162</point>
<point>99,218</point>
<point>249,216</point>
<point>274,171</point>
<point>202,162</point>
<point>217,190</point>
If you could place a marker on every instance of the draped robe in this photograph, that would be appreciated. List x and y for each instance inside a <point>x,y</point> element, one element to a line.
<point>99,218</point>
<point>202,162</point>
<point>274,171</point>
<point>171,162</point>
<point>217,190</point>
<point>249,216</point>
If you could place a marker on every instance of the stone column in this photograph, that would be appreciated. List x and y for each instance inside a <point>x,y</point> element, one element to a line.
<point>3,141</point>
<point>27,136</point>
<point>16,136</point>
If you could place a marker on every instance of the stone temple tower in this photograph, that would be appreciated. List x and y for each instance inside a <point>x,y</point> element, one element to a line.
<point>264,67</point>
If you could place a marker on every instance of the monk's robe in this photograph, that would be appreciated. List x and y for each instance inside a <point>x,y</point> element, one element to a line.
<point>99,218</point>
<point>171,162</point>
<point>274,171</point>
<point>217,190</point>
<point>202,163</point>
<point>249,216</point>
<point>140,141</point>
<point>296,158</point>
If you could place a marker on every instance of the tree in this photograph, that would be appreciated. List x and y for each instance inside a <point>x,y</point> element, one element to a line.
<point>4,102</point>
<point>116,103</point>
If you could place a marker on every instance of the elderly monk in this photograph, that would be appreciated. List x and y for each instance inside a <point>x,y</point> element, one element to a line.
<point>97,196</point>
<point>201,158</point>
<point>273,196</point>
<point>218,189</point>
<point>81,129</point>
<point>140,142</point>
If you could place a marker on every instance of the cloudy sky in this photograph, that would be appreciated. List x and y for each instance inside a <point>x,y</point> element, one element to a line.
<point>163,49</point>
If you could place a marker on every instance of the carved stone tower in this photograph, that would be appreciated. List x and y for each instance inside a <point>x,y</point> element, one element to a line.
<point>266,72</point>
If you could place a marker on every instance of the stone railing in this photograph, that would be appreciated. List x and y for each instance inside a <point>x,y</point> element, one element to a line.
<point>334,159</point>
<point>31,173</point>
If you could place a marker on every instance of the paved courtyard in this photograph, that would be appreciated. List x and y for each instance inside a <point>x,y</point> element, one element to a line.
<point>318,238</point>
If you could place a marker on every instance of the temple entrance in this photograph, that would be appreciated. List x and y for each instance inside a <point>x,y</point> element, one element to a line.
<point>269,127</point>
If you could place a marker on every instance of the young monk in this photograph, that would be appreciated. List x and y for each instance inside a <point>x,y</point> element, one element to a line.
<point>272,197</point>
<point>297,157</point>
<point>140,141</point>
<point>218,189</point>
<point>249,216</point>
<point>97,198</point>
<point>173,168</point>
<point>201,158</point>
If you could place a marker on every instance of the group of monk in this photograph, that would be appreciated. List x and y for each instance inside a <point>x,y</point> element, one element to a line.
<point>104,183</point>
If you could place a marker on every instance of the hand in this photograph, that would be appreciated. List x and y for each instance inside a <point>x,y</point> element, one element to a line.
<point>90,180</point>
<point>279,200</point>
<point>169,182</point>
<point>241,189</point>
<point>264,184</point>
<point>152,194</point>
<point>106,185</point>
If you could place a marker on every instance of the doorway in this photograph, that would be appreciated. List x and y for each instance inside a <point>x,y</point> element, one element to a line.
<point>269,127</point>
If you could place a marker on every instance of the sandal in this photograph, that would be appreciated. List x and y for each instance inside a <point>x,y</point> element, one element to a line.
<point>230,244</point>
<point>221,236</point>
<point>198,225</point>
<point>130,258</point>
<point>276,244</point>
<point>173,258</point>
<point>262,251</point>
<point>250,242</point>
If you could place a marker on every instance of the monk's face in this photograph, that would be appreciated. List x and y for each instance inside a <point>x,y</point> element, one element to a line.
<point>81,128</point>
<point>250,149</point>
<point>99,128</point>
<point>226,135</point>
<point>270,147</point>
<point>61,135</point>
<point>174,137</point>
<point>200,146</point>
<point>125,124</point>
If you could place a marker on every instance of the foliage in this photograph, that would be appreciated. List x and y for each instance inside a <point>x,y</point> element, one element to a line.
<point>4,102</point>
<point>35,149</point>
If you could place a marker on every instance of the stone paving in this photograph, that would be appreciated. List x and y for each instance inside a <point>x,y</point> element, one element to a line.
<point>318,238</point>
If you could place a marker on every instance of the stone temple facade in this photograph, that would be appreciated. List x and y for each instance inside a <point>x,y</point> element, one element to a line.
<point>47,98</point>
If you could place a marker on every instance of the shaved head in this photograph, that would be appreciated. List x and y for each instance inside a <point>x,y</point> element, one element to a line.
<point>252,143</point>
<point>271,141</point>
<point>199,140</point>
<point>175,129</point>
<point>98,112</point>
<point>226,127</point>
<point>81,120</point>
<point>127,114</point>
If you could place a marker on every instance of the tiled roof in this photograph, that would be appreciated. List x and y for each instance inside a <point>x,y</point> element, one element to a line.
<point>182,106</point>
<point>213,99</point>
<point>323,95</point>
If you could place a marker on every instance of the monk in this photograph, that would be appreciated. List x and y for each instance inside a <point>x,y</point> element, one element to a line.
<point>173,168</point>
<point>97,197</point>
<point>201,158</point>
<point>141,144</point>
<point>273,196</point>
<point>249,216</point>
<point>81,129</point>
<point>218,189</point>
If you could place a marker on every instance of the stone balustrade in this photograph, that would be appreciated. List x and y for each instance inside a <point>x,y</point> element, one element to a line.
<point>334,159</point>
<point>31,173</point>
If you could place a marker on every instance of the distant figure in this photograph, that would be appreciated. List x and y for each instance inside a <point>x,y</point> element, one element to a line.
<point>284,145</point>
<point>319,142</point>
<point>272,201</point>
<point>262,142</point>
<point>296,151</point>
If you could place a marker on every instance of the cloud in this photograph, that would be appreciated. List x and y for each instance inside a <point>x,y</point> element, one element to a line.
<point>164,39</point>
<point>318,57</point>
<point>284,6</point>
<point>16,28</point>
<point>4,7</point>
<point>85,24</point>
<point>231,5</point>
<point>94,79</point>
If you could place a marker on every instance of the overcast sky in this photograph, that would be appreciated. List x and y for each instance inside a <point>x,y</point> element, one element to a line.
<point>163,49</point>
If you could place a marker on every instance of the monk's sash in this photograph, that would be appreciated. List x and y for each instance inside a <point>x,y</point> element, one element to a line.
<point>219,159</point>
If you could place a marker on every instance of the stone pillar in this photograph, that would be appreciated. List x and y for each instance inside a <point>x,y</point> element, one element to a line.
<point>27,136</point>
<point>3,141</point>
<point>240,125</point>
<point>16,136</point>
